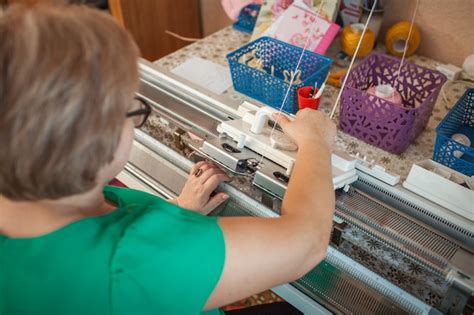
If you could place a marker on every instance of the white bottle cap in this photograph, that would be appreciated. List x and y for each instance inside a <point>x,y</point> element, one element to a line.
<point>384,91</point>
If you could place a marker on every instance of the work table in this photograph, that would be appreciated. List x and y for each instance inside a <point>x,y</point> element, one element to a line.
<point>416,259</point>
<point>216,46</point>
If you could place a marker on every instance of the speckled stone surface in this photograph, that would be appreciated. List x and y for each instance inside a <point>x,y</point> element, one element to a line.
<point>216,46</point>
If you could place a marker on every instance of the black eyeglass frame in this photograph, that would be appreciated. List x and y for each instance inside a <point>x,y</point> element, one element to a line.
<point>146,111</point>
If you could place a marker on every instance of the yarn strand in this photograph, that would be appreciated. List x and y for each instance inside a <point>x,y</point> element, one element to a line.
<point>296,69</point>
<point>334,108</point>
<point>406,42</point>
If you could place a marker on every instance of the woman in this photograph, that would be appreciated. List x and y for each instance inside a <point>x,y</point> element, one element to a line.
<point>69,245</point>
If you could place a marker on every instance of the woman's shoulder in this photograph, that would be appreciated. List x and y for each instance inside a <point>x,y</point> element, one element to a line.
<point>162,250</point>
<point>139,203</point>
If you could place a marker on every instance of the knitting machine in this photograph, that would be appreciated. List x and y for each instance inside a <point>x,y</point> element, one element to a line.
<point>391,252</point>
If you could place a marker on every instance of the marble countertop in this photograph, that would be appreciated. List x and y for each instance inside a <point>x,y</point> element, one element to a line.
<point>216,46</point>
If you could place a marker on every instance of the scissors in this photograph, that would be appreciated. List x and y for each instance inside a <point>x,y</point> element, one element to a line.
<point>296,76</point>
<point>245,58</point>
<point>256,63</point>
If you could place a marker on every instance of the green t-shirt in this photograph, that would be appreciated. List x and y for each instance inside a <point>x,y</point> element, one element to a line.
<point>146,257</point>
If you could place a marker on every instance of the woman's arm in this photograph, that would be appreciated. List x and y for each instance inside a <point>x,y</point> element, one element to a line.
<point>261,252</point>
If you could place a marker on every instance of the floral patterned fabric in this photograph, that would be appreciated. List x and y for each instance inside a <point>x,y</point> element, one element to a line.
<point>394,267</point>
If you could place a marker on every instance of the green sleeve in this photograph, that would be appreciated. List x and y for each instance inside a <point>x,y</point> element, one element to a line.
<point>168,261</point>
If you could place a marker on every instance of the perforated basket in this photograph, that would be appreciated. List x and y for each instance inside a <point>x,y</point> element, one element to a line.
<point>380,122</point>
<point>271,90</point>
<point>460,119</point>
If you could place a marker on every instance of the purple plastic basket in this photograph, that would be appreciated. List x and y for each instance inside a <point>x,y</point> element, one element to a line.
<point>381,122</point>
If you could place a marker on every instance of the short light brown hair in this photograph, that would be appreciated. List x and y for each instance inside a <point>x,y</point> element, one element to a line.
<point>67,77</point>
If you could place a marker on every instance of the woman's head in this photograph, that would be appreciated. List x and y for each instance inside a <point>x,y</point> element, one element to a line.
<point>67,77</point>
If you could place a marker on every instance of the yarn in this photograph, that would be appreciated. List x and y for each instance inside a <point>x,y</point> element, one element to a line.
<point>350,38</point>
<point>397,35</point>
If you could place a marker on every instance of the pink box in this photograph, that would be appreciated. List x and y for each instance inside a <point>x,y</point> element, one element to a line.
<point>295,25</point>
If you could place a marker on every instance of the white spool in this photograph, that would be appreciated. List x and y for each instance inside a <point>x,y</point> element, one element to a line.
<point>399,45</point>
<point>468,65</point>
<point>357,27</point>
<point>384,91</point>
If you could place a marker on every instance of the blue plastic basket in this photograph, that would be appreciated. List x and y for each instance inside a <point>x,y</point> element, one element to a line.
<point>459,120</point>
<point>246,21</point>
<point>271,90</point>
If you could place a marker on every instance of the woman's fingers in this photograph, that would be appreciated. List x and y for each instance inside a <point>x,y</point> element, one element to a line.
<point>209,173</point>
<point>203,180</point>
<point>203,166</point>
<point>214,202</point>
<point>196,167</point>
<point>211,184</point>
<point>281,119</point>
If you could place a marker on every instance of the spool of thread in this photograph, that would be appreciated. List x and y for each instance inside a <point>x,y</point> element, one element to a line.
<point>350,38</point>
<point>468,65</point>
<point>462,139</point>
<point>387,92</point>
<point>397,36</point>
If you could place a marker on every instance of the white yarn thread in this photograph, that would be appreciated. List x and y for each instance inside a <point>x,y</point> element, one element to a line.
<point>334,108</point>
<point>296,69</point>
<point>300,59</point>
<point>408,39</point>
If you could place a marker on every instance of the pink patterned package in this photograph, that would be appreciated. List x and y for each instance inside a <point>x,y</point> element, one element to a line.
<point>281,5</point>
<point>295,24</point>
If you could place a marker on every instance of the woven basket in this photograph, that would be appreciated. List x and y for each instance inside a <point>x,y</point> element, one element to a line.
<point>271,90</point>
<point>380,122</point>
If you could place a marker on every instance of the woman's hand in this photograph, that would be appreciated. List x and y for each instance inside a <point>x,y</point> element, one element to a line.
<point>202,181</point>
<point>310,126</point>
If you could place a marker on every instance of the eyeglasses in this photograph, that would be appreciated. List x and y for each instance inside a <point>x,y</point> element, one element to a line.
<point>141,111</point>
